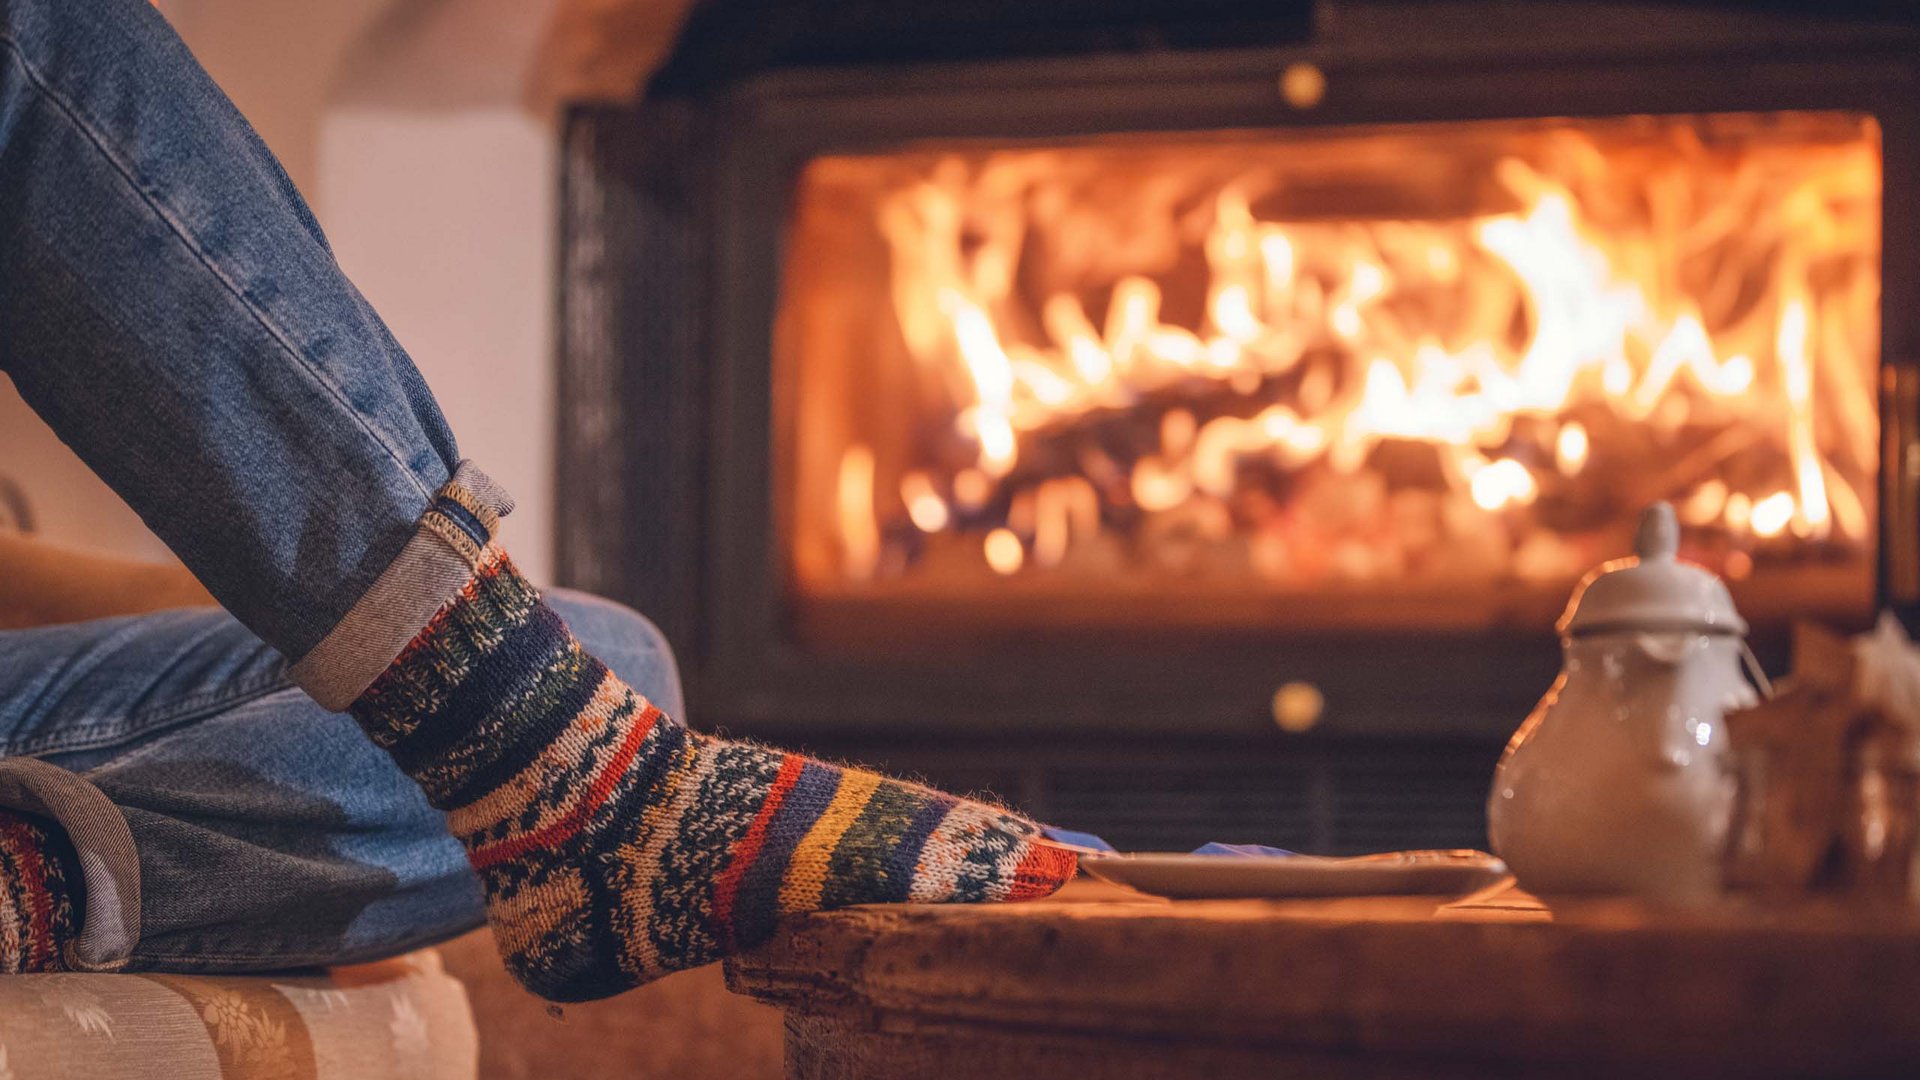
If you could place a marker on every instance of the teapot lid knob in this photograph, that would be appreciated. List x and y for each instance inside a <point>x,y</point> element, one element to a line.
<point>1658,536</point>
<point>1657,591</point>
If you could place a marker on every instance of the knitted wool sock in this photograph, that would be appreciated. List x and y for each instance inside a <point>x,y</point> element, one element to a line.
<point>39,894</point>
<point>616,846</point>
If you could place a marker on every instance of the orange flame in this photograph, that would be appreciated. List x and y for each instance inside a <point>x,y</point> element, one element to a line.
<point>1673,285</point>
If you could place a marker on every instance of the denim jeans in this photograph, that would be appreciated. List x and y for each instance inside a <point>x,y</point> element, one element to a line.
<point>170,307</point>
<point>270,832</point>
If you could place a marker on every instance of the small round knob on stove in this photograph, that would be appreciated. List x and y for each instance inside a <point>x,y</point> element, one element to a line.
<point>1303,85</point>
<point>1297,706</point>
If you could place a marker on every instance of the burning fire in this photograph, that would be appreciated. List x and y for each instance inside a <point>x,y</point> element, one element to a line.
<point>1132,361</point>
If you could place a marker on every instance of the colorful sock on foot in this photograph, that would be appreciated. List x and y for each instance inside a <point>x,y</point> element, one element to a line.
<point>616,846</point>
<point>39,894</point>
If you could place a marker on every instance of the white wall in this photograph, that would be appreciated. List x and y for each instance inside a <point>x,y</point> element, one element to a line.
<point>67,501</point>
<point>437,186</point>
<point>402,121</point>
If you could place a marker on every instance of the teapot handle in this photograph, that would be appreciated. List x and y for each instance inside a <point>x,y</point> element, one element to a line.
<point>1669,738</point>
<point>1650,644</point>
<point>1751,664</point>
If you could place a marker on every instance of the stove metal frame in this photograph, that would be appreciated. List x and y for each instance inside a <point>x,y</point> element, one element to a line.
<point>673,214</point>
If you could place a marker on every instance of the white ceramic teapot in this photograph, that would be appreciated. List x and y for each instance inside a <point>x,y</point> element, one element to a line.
<point>1616,783</point>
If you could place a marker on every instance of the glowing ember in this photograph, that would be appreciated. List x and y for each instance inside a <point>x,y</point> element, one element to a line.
<point>1771,514</point>
<point>1004,552</point>
<point>1470,351</point>
<point>924,505</point>
<point>860,534</point>
<point>1505,481</point>
<point>1570,449</point>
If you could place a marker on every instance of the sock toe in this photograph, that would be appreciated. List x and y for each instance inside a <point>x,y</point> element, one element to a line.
<point>980,853</point>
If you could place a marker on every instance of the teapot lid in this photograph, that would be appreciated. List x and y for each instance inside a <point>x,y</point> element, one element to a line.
<point>1652,590</point>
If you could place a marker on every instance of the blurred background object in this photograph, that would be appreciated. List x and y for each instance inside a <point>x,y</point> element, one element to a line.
<point>15,514</point>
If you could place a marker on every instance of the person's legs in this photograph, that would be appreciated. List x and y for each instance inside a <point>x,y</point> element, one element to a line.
<point>172,311</point>
<point>266,831</point>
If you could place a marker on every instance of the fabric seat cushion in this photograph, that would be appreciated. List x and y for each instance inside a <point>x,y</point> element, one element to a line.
<point>404,1017</point>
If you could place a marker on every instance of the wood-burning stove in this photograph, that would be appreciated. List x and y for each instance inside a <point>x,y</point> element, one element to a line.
<point>1049,399</point>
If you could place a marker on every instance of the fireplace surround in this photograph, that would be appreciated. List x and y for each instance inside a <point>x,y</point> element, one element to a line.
<point>696,215</point>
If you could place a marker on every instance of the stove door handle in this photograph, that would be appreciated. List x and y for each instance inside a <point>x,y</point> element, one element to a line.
<point>1900,488</point>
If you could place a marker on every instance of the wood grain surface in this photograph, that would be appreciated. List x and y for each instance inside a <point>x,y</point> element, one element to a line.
<point>1102,983</point>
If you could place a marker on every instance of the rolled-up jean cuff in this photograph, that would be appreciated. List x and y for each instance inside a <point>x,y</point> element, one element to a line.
<point>109,863</point>
<point>438,560</point>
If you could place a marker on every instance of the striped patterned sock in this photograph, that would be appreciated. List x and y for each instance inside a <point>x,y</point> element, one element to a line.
<point>616,846</point>
<point>39,894</point>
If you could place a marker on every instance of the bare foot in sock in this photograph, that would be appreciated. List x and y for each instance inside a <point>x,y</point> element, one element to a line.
<point>616,846</point>
<point>39,894</point>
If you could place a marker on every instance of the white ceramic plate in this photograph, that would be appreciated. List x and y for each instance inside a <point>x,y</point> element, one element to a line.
<point>1228,877</point>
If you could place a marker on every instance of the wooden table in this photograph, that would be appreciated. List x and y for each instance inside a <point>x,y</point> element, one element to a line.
<point>1101,983</point>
